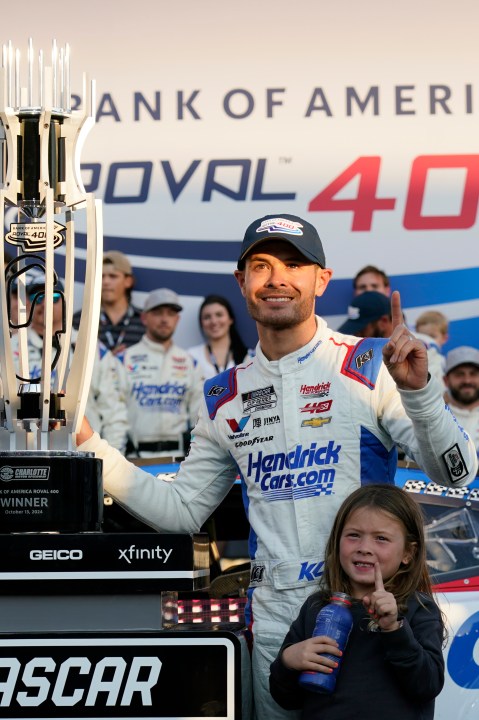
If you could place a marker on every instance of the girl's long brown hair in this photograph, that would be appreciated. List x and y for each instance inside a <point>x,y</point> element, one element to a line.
<point>399,504</point>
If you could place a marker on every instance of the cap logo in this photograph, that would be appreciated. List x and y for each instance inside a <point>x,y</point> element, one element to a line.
<point>286,227</point>
<point>353,312</point>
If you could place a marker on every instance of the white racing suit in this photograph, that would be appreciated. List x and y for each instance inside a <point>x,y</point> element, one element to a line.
<point>469,419</point>
<point>303,432</point>
<point>164,392</point>
<point>106,405</point>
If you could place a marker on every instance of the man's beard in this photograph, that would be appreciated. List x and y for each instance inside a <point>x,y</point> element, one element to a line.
<point>280,321</point>
<point>457,395</point>
<point>161,337</point>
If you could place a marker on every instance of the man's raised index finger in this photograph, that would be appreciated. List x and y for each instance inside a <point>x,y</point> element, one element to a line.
<point>397,316</point>
<point>378,578</point>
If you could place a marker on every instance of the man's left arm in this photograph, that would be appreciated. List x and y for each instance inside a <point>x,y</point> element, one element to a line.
<point>440,446</point>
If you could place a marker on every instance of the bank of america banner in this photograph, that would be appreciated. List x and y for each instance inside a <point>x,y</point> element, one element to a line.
<point>360,119</point>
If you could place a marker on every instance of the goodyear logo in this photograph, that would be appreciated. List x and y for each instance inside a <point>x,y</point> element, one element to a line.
<point>304,472</point>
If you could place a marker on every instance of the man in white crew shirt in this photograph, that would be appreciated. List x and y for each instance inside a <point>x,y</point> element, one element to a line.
<point>164,386</point>
<point>462,394</point>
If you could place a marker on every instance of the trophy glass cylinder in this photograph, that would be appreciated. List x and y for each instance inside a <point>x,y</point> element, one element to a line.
<point>45,484</point>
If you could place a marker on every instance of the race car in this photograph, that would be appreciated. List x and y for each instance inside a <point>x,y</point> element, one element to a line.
<point>452,541</point>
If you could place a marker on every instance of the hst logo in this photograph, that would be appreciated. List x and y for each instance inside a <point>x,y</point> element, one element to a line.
<point>56,554</point>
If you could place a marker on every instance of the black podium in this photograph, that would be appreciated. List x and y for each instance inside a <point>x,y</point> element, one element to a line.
<point>88,629</point>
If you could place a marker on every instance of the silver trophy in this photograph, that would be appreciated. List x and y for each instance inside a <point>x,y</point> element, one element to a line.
<point>44,484</point>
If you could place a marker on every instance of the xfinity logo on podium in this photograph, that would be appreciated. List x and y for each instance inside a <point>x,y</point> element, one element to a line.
<point>137,553</point>
<point>122,676</point>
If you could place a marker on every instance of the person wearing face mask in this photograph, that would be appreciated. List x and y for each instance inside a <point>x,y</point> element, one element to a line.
<point>223,347</point>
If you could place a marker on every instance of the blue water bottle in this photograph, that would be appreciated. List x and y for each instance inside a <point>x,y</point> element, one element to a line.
<point>335,621</point>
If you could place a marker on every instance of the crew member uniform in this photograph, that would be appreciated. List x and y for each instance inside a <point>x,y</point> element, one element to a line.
<point>106,404</point>
<point>469,419</point>
<point>304,432</point>
<point>164,392</point>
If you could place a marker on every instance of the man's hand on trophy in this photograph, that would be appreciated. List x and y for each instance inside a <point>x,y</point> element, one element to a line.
<point>85,432</point>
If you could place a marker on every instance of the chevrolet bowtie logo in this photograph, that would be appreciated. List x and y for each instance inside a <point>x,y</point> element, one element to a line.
<point>316,422</point>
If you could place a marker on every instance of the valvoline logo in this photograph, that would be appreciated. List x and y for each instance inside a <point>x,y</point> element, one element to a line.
<point>297,474</point>
<point>236,426</point>
<point>133,368</point>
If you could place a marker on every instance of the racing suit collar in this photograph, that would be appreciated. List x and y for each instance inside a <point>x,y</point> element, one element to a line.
<point>295,360</point>
<point>156,346</point>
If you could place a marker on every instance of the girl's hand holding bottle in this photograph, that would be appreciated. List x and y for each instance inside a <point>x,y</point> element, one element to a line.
<point>309,655</point>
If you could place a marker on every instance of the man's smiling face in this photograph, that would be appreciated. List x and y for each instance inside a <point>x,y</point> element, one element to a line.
<point>280,285</point>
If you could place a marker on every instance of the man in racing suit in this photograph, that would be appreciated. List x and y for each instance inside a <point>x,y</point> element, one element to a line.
<point>310,418</point>
<point>164,387</point>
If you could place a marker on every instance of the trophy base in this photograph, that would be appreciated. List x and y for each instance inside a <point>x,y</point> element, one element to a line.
<point>50,491</point>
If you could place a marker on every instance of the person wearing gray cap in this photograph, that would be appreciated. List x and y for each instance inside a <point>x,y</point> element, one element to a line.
<point>313,416</point>
<point>164,387</point>
<point>462,394</point>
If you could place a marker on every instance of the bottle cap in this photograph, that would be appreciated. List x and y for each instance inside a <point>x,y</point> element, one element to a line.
<point>341,597</point>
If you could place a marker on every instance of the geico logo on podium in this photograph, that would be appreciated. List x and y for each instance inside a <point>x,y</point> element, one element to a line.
<point>56,554</point>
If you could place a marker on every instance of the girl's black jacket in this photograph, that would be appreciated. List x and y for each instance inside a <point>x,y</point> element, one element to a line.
<point>395,674</point>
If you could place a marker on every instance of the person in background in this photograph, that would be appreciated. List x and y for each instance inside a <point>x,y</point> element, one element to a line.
<point>106,404</point>
<point>462,393</point>
<point>369,315</point>
<point>223,347</point>
<point>164,388</point>
<point>432,328</point>
<point>310,418</point>
<point>393,662</point>
<point>12,297</point>
<point>434,325</point>
<point>371,278</point>
<point>120,322</point>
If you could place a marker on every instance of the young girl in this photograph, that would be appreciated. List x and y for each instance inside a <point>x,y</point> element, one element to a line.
<point>393,665</point>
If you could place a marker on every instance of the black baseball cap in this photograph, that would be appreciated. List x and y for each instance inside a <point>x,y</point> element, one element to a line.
<point>364,309</point>
<point>289,228</point>
<point>37,284</point>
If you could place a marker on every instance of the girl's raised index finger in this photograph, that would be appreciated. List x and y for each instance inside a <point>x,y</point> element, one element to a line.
<point>397,316</point>
<point>378,578</point>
